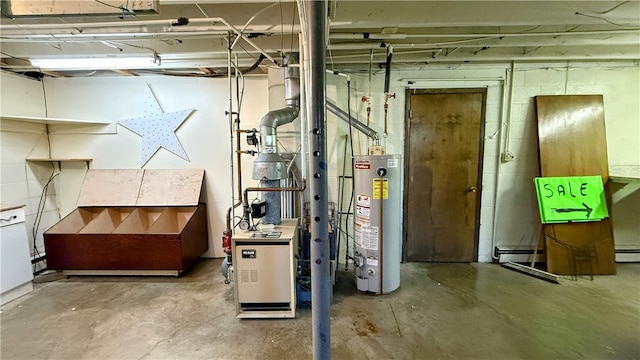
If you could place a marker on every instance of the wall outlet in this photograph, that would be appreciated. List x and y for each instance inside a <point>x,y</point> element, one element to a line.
<point>507,156</point>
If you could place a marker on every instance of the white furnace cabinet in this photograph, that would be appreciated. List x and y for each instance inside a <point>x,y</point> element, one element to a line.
<point>264,271</point>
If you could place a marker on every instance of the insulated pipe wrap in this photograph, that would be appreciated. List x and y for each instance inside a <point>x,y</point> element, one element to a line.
<point>273,201</point>
<point>387,70</point>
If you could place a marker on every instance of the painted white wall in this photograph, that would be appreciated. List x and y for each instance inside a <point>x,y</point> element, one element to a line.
<point>21,96</point>
<point>204,135</point>
<point>22,182</point>
<point>508,196</point>
<point>507,193</point>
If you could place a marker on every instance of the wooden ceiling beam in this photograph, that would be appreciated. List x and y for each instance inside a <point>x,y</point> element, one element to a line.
<point>124,72</point>
<point>54,74</point>
<point>207,71</point>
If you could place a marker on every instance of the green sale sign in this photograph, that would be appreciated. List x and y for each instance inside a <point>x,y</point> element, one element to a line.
<point>571,198</point>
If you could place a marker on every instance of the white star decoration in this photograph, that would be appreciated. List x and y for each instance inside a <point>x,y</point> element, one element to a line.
<point>157,128</point>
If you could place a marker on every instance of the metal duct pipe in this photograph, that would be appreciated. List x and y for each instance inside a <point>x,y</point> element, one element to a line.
<point>270,167</point>
<point>363,128</point>
<point>275,118</point>
<point>316,30</point>
<point>268,125</point>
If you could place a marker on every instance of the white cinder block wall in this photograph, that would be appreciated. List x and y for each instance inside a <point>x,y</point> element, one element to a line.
<point>508,213</point>
<point>204,135</point>
<point>22,182</point>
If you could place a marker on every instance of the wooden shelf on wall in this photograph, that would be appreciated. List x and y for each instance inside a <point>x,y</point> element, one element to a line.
<point>60,160</point>
<point>627,178</point>
<point>52,121</point>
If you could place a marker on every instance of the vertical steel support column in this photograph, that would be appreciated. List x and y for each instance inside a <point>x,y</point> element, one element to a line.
<point>320,279</point>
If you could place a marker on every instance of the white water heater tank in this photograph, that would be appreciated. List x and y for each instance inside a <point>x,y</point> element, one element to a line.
<point>377,227</point>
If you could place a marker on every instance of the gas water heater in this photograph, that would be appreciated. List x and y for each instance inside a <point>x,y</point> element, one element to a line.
<point>378,236</point>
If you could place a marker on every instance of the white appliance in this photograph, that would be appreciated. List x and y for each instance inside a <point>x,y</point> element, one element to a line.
<point>264,271</point>
<point>15,262</point>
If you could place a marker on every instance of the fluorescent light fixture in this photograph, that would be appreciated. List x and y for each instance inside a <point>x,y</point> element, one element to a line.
<point>97,62</point>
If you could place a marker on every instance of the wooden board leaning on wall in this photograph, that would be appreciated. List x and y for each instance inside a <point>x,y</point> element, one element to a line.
<point>572,142</point>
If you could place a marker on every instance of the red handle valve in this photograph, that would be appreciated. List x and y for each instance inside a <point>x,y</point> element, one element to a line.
<point>226,242</point>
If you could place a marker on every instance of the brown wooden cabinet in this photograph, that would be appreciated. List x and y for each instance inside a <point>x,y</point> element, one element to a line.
<point>120,236</point>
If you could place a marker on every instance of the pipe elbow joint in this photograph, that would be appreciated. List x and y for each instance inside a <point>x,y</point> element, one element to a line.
<point>269,122</point>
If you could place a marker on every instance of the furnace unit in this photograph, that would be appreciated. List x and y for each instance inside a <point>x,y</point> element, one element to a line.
<point>264,271</point>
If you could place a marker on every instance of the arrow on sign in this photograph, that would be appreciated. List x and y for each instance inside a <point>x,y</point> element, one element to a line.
<point>586,209</point>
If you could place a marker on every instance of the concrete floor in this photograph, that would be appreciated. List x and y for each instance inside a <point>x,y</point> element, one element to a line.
<point>441,311</point>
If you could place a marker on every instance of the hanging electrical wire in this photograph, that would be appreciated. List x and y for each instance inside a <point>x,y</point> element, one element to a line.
<point>606,20</point>
<point>352,154</point>
<point>201,10</point>
<point>248,53</point>
<point>39,213</point>
<point>156,56</point>
<point>241,31</point>
<point>125,9</point>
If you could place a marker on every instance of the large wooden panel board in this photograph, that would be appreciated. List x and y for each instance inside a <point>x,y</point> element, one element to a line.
<point>572,136</point>
<point>170,187</point>
<point>133,187</point>
<point>572,141</point>
<point>569,245</point>
<point>110,187</point>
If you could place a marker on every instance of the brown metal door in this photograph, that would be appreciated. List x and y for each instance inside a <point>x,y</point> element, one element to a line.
<point>443,167</point>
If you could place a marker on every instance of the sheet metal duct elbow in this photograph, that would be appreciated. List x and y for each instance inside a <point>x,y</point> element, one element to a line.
<point>269,165</point>
<point>270,123</point>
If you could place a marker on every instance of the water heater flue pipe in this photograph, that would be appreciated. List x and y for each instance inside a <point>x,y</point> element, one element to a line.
<point>279,117</point>
<point>270,167</point>
<point>269,124</point>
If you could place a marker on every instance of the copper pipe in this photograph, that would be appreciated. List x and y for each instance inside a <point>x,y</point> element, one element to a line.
<point>229,214</point>
<point>272,189</point>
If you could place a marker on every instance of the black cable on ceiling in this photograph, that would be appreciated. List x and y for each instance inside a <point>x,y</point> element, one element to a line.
<point>255,64</point>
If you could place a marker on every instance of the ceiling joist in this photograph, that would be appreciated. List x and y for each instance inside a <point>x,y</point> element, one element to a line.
<point>188,39</point>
